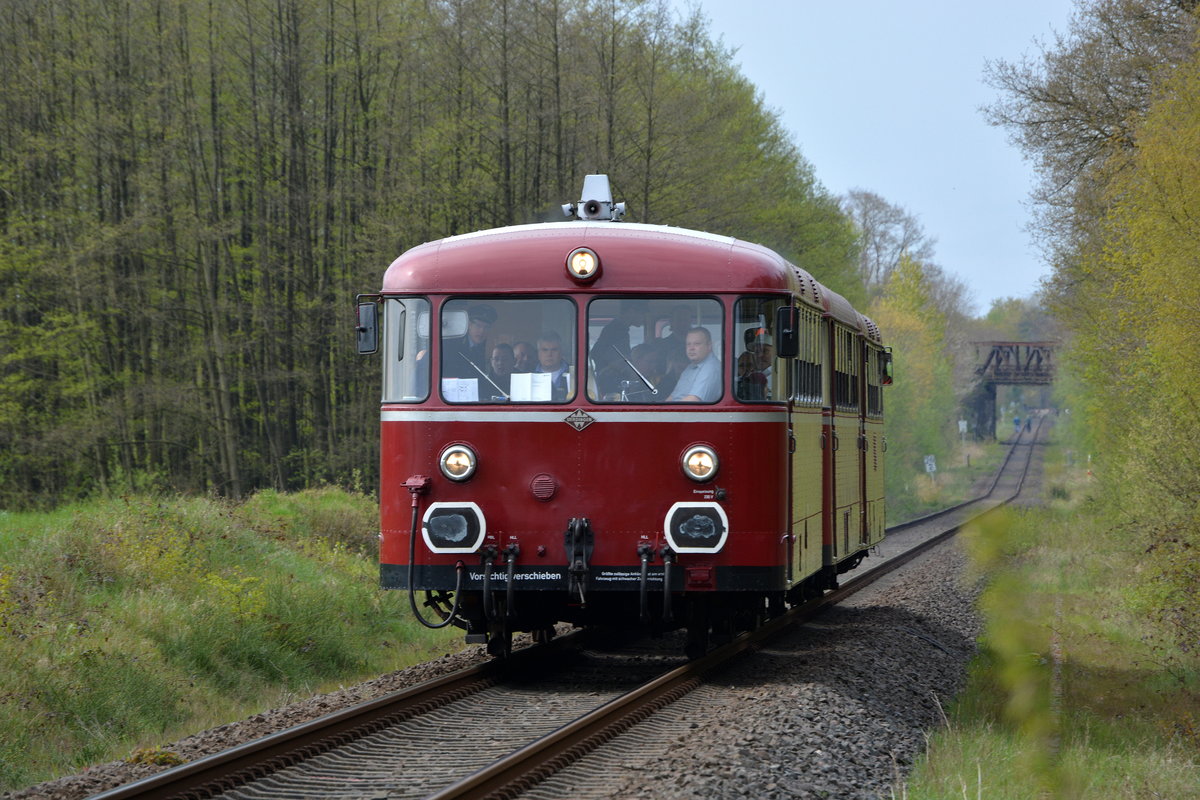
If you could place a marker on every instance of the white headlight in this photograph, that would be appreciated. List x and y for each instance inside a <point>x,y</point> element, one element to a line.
<point>457,462</point>
<point>700,462</point>
<point>583,264</point>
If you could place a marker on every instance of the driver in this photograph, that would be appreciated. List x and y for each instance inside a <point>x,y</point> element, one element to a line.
<point>700,381</point>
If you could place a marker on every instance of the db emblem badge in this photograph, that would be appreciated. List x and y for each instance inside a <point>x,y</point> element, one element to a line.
<point>579,419</point>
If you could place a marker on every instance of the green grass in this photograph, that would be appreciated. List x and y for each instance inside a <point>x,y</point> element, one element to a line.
<point>1074,694</point>
<point>127,623</point>
<point>911,492</point>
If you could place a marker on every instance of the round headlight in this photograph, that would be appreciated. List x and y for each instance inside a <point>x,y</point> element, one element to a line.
<point>583,264</point>
<point>700,462</point>
<point>457,462</point>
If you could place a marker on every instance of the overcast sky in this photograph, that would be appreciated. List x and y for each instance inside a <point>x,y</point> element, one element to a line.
<point>885,96</point>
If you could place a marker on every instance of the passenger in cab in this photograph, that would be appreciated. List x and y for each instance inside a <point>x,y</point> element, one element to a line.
<point>551,361</point>
<point>751,383</point>
<point>674,346</point>
<point>500,369</point>
<point>701,379</point>
<point>466,356</point>
<point>612,345</point>
<point>756,366</point>
<point>524,354</point>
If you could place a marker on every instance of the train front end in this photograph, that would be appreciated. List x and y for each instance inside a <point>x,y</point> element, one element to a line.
<point>582,423</point>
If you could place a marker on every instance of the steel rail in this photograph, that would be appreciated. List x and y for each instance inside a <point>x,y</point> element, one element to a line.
<point>991,488</point>
<point>230,768</point>
<point>254,759</point>
<point>524,768</point>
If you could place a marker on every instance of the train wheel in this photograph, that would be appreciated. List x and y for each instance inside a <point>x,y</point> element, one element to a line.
<point>500,643</point>
<point>543,635</point>
<point>698,624</point>
<point>697,643</point>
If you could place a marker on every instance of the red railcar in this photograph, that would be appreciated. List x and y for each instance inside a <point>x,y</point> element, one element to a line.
<point>610,423</point>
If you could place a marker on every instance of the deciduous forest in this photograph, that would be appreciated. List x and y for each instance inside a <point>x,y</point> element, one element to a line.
<point>1111,113</point>
<point>191,194</point>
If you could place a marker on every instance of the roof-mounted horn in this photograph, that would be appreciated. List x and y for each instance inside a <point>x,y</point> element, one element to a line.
<point>595,202</point>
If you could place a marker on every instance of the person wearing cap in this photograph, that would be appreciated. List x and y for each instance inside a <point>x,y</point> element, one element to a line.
<point>472,348</point>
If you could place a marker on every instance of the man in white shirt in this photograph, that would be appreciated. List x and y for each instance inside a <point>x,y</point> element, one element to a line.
<point>700,381</point>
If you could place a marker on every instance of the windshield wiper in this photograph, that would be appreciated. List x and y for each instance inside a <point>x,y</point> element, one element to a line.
<point>636,371</point>
<point>486,377</point>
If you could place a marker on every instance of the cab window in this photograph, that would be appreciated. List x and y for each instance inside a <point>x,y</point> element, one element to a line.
<point>507,350</point>
<point>655,350</point>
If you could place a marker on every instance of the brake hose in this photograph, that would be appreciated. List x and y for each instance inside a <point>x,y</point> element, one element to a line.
<point>415,486</point>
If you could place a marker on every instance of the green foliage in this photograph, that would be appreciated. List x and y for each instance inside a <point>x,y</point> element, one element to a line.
<point>126,623</point>
<point>1113,119</point>
<point>1137,353</point>
<point>192,196</point>
<point>1069,696</point>
<point>921,405</point>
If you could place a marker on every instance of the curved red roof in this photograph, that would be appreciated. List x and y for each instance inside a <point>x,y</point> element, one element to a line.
<point>633,257</point>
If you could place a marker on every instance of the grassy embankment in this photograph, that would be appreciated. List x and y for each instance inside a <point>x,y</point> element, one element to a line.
<point>1073,695</point>
<point>914,493</point>
<point>127,623</point>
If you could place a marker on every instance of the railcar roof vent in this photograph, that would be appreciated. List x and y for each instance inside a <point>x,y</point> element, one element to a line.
<point>595,201</point>
<point>800,279</point>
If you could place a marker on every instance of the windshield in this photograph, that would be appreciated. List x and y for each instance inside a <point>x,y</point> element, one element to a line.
<point>508,350</point>
<point>655,350</point>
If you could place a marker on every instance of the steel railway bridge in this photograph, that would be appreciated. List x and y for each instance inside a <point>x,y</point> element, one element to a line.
<point>1010,364</point>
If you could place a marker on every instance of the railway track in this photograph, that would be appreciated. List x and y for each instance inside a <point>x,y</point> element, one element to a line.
<point>520,720</point>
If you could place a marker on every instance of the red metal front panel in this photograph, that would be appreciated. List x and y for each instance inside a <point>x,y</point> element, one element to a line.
<point>622,475</point>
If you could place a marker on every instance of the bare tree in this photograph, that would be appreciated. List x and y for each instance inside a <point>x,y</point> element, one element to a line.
<point>887,233</point>
<point>1080,99</point>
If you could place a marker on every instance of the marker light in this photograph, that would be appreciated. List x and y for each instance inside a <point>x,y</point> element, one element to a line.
<point>583,264</point>
<point>700,462</point>
<point>457,462</point>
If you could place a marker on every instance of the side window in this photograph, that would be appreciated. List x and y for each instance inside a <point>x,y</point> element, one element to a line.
<point>505,350</point>
<point>405,349</point>
<point>874,383</point>
<point>846,369</point>
<point>808,389</point>
<point>655,350</point>
<point>759,376</point>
